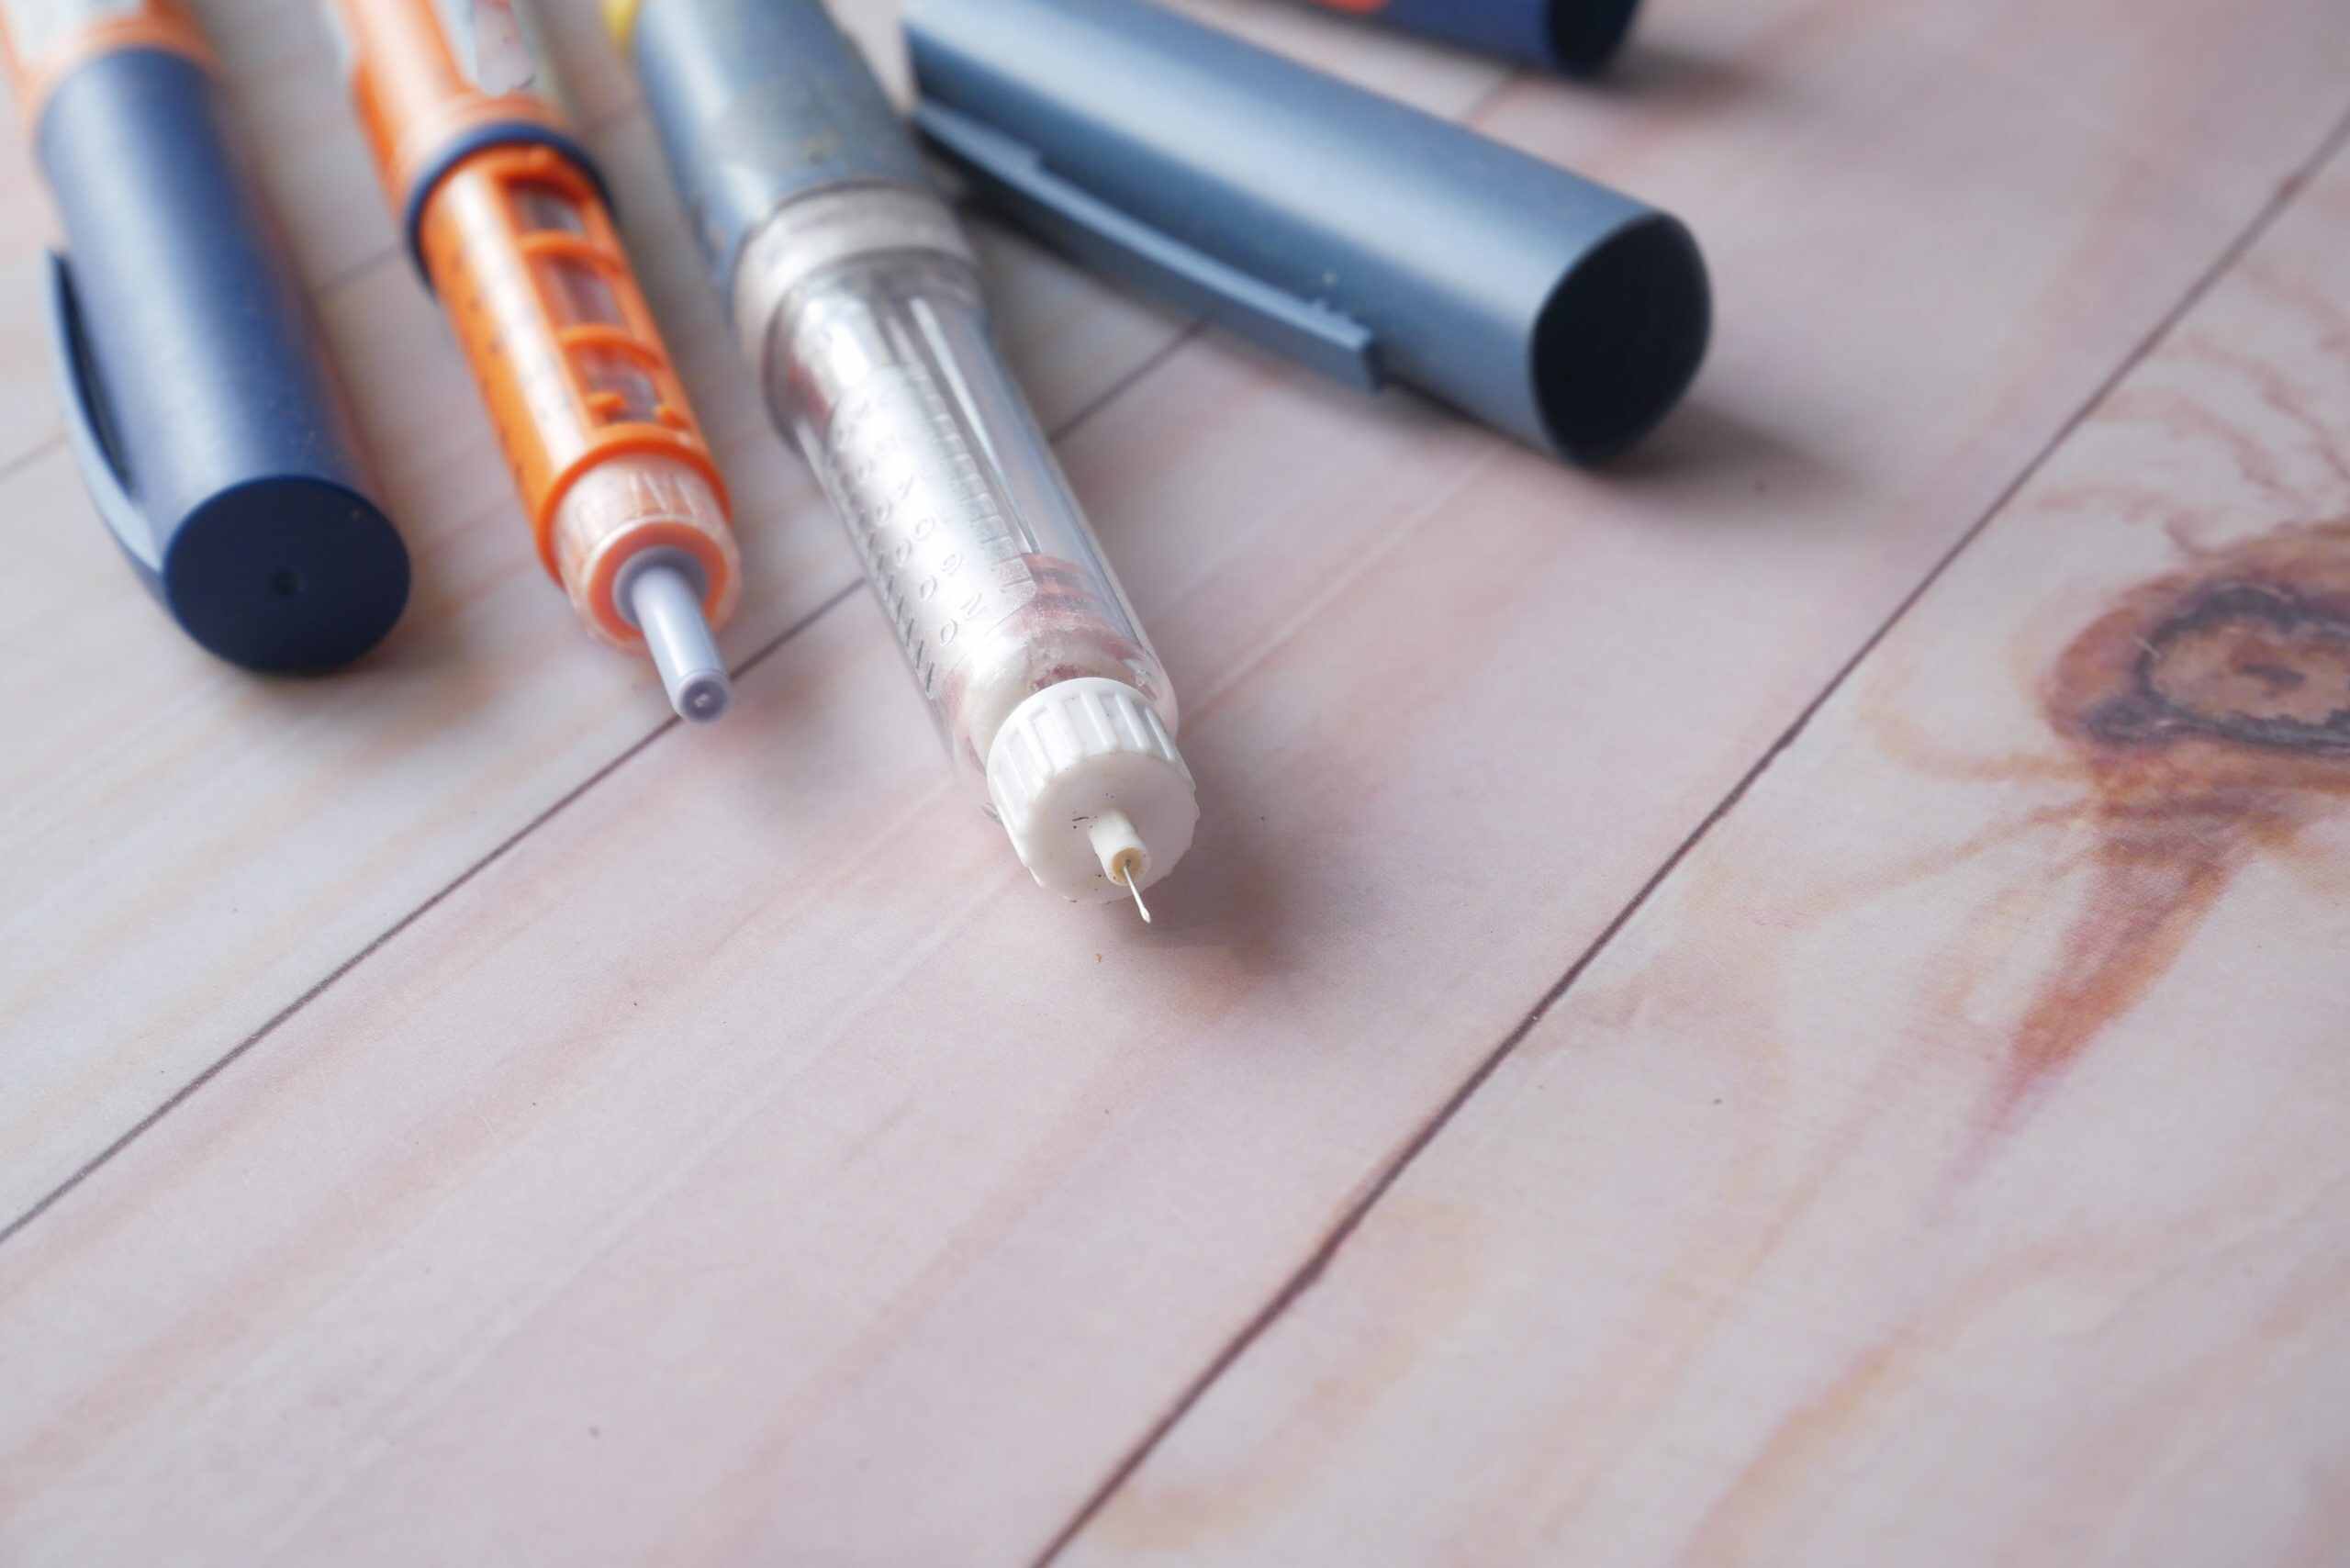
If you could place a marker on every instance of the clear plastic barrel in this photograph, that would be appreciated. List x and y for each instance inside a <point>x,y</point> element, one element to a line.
<point>881,369</point>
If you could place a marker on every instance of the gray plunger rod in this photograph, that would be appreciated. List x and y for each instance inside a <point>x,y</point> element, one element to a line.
<point>662,598</point>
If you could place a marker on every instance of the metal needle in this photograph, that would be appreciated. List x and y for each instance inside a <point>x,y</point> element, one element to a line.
<point>1128,864</point>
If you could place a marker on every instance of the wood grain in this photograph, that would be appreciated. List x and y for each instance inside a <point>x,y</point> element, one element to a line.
<point>747,1160</point>
<point>192,851</point>
<point>1946,1164</point>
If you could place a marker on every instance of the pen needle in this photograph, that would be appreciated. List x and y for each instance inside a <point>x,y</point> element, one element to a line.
<point>1128,864</point>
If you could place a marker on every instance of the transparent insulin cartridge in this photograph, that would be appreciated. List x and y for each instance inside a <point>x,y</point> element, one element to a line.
<point>858,302</point>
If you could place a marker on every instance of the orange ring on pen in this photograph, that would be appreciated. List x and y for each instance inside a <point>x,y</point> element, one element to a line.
<point>717,571</point>
<point>163,25</point>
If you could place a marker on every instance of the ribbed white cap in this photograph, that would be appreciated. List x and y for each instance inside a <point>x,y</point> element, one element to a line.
<point>1086,779</point>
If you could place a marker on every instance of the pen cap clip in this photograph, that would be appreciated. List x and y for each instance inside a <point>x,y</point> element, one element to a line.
<point>1014,176</point>
<point>86,428</point>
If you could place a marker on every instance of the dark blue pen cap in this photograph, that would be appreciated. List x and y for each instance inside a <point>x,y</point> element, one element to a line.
<point>1347,231</point>
<point>210,428</point>
<point>1575,36</point>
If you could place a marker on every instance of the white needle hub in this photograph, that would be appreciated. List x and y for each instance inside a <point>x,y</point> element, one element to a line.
<point>1125,860</point>
<point>1089,784</point>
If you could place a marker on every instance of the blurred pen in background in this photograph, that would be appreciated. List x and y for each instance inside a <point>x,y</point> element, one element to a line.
<point>1579,37</point>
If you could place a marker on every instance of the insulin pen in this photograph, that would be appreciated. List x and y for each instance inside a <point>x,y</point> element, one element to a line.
<point>857,300</point>
<point>506,217</point>
<point>211,432</point>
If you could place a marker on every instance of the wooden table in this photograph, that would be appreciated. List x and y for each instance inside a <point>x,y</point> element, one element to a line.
<point>1788,1002</point>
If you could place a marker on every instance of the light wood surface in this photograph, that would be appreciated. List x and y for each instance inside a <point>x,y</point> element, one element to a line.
<point>1946,1162</point>
<point>453,1116</point>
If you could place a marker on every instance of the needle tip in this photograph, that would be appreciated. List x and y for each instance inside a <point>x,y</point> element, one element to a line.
<point>1129,865</point>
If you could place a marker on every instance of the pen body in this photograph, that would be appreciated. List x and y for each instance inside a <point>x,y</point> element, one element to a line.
<point>509,222</point>
<point>1378,242</point>
<point>879,368</point>
<point>215,435</point>
<point>857,300</point>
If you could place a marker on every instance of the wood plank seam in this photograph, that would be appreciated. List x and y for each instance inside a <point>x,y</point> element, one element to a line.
<point>221,1064</point>
<point>1325,1253</point>
<point>32,454</point>
<point>180,1096</point>
<point>390,1373</point>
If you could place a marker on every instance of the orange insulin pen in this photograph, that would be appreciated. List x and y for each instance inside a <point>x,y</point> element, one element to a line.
<point>506,215</point>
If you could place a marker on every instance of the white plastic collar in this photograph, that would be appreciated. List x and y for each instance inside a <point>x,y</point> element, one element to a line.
<point>1070,756</point>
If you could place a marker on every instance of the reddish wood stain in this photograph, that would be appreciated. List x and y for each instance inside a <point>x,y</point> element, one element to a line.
<point>2210,709</point>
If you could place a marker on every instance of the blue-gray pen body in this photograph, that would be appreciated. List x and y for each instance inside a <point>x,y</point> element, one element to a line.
<point>1292,206</point>
<point>212,430</point>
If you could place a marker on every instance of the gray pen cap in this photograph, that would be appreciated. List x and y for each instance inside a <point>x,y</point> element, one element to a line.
<point>758,103</point>
<point>1575,36</point>
<point>1339,227</point>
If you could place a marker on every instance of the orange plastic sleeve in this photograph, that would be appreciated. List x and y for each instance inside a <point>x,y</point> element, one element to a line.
<point>522,252</point>
<point>550,420</point>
